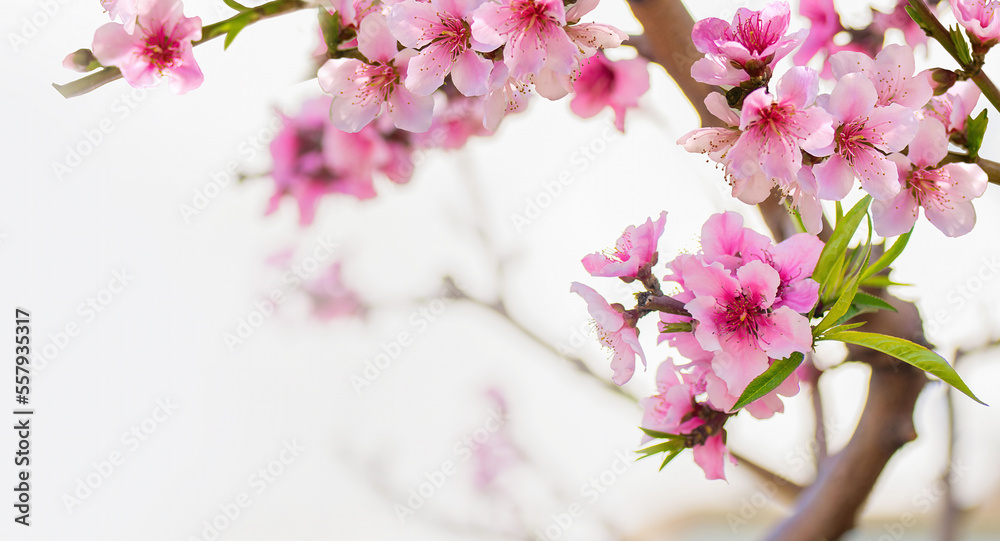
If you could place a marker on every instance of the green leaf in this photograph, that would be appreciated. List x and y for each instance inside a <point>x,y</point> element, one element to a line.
<point>845,327</point>
<point>661,435</point>
<point>670,457</point>
<point>236,6</point>
<point>918,18</point>
<point>663,447</point>
<point>676,327</point>
<point>888,257</point>
<point>908,352</point>
<point>961,46</point>
<point>863,299</point>
<point>236,24</point>
<point>975,129</point>
<point>329,25</point>
<point>779,370</point>
<point>881,282</point>
<point>840,308</point>
<point>839,239</point>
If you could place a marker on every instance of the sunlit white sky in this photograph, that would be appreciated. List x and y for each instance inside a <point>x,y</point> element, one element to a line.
<point>158,341</point>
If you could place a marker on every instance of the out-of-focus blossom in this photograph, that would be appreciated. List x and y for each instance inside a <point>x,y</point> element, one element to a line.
<point>603,83</point>
<point>981,18</point>
<point>123,10</point>
<point>331,298</point>
<point>898,18</point>
<point>159,47</point>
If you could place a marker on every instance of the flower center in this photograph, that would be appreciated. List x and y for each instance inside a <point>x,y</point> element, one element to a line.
<point>851,140</point>
<point>742,317</point>
<point>754,34</point>
<point>927,185</point>
<point>161,49</point>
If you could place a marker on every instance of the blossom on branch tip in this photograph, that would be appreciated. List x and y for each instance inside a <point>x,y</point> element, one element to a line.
<point>945,193</point>
<point>635,249</point>
<point>615,333</point>
<point>744,48</point>
<point>531,33</point>
<point>980,18</point>
<point>160,46</point>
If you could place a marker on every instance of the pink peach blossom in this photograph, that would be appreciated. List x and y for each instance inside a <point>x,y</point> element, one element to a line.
<point>363,90</point>
<point>776,129</point>
<point>123,10</point>
<point>954,107</point>
<point>979,17</point>
<point>945,193</point>
<point>440,30</point>
<point>752,41</point>
<point>634,250</point>
<point>614,332</point>
<point>161,47</point>
<point>865,134</point>
<point>531,32</point>
<point>891,72</point>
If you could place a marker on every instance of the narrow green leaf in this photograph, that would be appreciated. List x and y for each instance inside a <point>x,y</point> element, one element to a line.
<point>658,448</point>
<point>670,457</point>
<point>329,25</point>
<point>839,308</point>
<point>236,6</point>
<point>839,239</point>
<point>908,352</point>
<point>881,282</point>
<point>779,370</point>
<point>676,327</point>
<point>888,257</point>
<point>238,24</point>
<point>865,300</point>
<point>975,130</point>
<point>845,327</point>
<point>660,435</point>
<point>961,46</point>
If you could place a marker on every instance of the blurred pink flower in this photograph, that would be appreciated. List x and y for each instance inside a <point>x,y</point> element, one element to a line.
<point>979,17</point>
<point>331,298</point>
<point>898,18</point>
<point>603,83</point>
<point>161,47</point>
<point>614,332</point>
<point>945,193</point>
<point>635,249</point>
<point>123,10</point>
